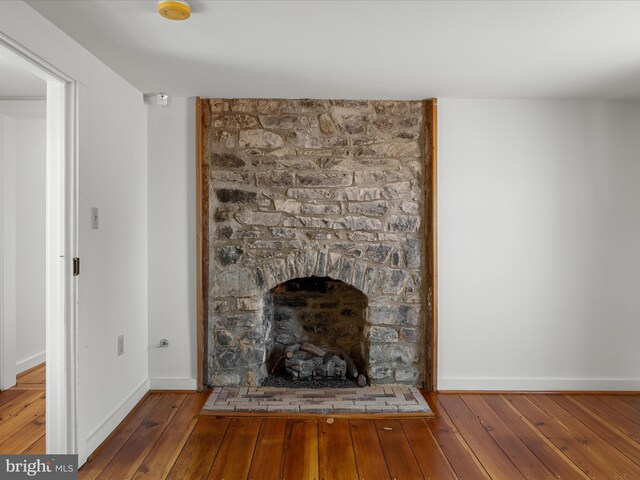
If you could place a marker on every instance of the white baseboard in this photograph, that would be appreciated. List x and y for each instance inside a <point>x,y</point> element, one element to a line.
<point>539,384</point>
<point>173,384</point>
<point>109,425</point>
<point>27,363</point>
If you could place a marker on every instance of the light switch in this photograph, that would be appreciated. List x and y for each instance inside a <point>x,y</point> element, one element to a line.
<point>120,345</point>
<point>94,218</point>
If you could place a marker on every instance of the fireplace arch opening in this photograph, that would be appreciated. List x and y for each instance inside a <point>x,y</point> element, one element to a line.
<point>316,330</point>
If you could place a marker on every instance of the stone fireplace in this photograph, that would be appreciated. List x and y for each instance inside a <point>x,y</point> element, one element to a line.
<point>308,198</point>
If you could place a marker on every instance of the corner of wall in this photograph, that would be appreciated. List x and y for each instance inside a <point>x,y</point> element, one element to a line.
<point>100,434</point>
<point>182,384</point>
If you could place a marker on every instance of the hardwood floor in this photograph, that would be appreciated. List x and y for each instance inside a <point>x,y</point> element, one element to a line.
<point>22,414</point>
<point>32,379</point>
<point>471,437</point>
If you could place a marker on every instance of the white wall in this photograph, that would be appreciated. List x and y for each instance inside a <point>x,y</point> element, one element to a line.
<point>22,223</point>
<point>536,208</point>
<point>28,144</point>
<point>113,177</point>
<point>539,265</point>
<point>113,284</point>
<point>172,241</point>
<point>30,242</point>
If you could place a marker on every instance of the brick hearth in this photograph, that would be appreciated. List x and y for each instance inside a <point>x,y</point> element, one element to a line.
<point>389,399</point>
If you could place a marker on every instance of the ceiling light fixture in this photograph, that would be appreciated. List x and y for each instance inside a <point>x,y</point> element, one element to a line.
<point>174,9</point>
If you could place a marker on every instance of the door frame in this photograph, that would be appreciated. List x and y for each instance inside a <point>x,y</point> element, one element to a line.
<point>62,246</point>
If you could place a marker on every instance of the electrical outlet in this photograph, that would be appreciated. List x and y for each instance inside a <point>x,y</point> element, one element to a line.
<point>120,345</point>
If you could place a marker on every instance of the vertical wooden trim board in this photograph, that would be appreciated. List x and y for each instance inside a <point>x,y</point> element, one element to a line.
<point>431,126</point>
<point>199,249</point>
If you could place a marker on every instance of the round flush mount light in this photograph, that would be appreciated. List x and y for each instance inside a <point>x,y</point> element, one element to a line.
<point>174,9</point>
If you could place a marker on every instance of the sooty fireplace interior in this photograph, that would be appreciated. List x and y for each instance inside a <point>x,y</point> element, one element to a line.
<point>317,327</point>
<point>315,212</point>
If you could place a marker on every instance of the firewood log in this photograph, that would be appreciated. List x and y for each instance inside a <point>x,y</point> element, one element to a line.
<point>292,348</point>
<point>307,347</point>
<point>351,366</point>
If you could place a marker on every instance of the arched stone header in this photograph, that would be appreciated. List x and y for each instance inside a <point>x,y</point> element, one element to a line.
<point>366,277</point>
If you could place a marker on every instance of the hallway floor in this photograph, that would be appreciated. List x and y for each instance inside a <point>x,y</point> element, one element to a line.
<point>22,414</point>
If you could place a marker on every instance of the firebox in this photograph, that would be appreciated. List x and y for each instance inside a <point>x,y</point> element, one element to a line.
<point>317,326</point>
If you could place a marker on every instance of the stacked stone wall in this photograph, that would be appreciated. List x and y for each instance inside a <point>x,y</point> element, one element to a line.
<point>325,188</point>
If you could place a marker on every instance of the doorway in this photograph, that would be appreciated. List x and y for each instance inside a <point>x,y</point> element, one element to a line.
<point>51,258</point>
<point>23,247</point>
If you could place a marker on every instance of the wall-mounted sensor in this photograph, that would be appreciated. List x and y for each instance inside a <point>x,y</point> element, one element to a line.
<point>162,99</point>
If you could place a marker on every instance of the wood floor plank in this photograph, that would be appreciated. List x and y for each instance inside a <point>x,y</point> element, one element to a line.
<point>236,452</point>
<point>610,415</point>
<point>580,455</point>
<point>19,420</point>
<point>524,459</point>
<point>560,465</point>
<point>38,448</point>
<point>267,458</point>
<point>198,454</point>
<point>368,451</point>
<point>337,460</point>
<point>38,377</point>
<point>18,404</point>
<point>125,463</point>
<point>608,432</point>
<point>462,459</point>
<point>397,451</point>
<point>497,464</point>
<point>621,406</point>
<point>32,386</point>
<point>24,437</point>
<point>430,458</point>
<point>161,458</point>
<point>585,435</point>
<point>633,400</point>
<point>33,375</point>
<point>301,457</point>
<point>101,457</point>
<point>8,395</point>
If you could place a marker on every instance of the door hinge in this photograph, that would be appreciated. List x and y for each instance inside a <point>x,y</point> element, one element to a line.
<point>76,266</point>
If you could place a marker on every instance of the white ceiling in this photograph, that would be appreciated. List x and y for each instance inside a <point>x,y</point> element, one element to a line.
<point>365,49</point>
<point>18,83</point>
